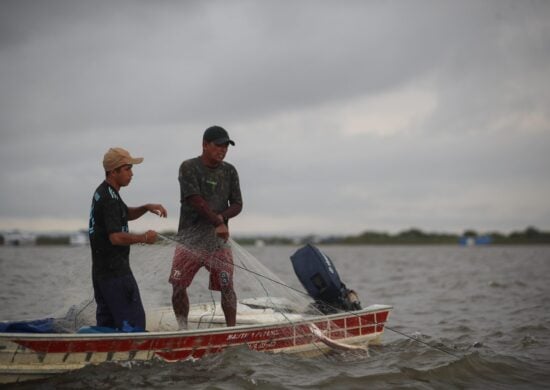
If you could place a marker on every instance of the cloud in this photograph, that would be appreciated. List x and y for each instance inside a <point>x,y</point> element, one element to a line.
<point>385,115</point>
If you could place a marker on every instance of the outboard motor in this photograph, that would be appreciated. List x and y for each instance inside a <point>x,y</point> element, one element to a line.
<point>322,282</point>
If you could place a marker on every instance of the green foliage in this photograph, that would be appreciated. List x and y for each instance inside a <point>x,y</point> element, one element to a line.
<point>52,240</point>
<point>274,240</point>
<point>530,236</point>
<point>470,233</point>
<point>413,236</point>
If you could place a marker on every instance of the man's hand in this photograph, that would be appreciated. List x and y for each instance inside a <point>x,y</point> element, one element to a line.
<point>222,231</point>
<point>157,209</point>
<point>150,237</point>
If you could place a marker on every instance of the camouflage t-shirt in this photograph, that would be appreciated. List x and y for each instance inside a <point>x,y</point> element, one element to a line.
<point>219,187</point>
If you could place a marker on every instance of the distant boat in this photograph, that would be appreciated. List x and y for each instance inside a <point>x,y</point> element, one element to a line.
<point>17,238</point>
<point>80,238</point>
<point>475,240</point>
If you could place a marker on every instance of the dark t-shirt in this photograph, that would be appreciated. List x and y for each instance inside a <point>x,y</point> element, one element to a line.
<point>219,187</point>
<point>109,214</point>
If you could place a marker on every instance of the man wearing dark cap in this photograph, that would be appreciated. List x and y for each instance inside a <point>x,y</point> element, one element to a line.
<point>116,292</point>
<point>210,195</point>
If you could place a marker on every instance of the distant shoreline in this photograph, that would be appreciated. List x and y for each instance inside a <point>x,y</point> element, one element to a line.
<point>529,236</point>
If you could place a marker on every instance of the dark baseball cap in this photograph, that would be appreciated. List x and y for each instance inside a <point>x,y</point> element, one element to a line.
<point>218,135</point>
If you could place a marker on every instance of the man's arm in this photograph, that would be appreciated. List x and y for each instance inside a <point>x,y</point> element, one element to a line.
<point>136,212</point>
<point>219,221</point>
<point>201,206</point>
<point>123,238</point>
<point>232,211</point>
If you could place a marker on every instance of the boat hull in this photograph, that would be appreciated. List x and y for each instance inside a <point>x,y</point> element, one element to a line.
<point>26,356</point>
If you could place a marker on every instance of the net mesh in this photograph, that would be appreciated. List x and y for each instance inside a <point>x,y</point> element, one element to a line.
<point>262,297</point>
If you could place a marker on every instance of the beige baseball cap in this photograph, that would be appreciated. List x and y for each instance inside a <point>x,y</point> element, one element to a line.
<point>117,157</point>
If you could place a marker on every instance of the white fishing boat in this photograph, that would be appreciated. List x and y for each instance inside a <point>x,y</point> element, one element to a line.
<point>332,320</point>
<point>26,356</point>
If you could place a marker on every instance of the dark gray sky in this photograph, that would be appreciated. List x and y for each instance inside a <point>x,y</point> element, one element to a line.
<point>348,116</point>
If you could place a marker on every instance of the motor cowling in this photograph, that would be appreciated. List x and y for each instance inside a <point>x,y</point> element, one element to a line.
<point>317,273</point>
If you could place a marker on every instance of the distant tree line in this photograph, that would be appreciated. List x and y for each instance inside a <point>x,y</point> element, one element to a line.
<point>53,240</point>
<point>530,236</point>
<point>413,236</point>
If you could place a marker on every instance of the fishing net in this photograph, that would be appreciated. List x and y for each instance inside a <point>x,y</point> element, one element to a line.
<point>261,296</point>
<point>263,299</point>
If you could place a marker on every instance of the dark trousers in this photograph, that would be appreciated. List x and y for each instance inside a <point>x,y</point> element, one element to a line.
<point>118,301</point>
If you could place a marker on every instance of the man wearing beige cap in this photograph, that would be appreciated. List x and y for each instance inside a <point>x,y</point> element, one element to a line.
<point>116,292</point>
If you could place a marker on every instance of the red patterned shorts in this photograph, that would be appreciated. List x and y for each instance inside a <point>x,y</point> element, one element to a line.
<point>187,263</point>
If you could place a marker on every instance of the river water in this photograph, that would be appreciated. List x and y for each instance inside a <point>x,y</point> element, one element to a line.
<point>488,307</point>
